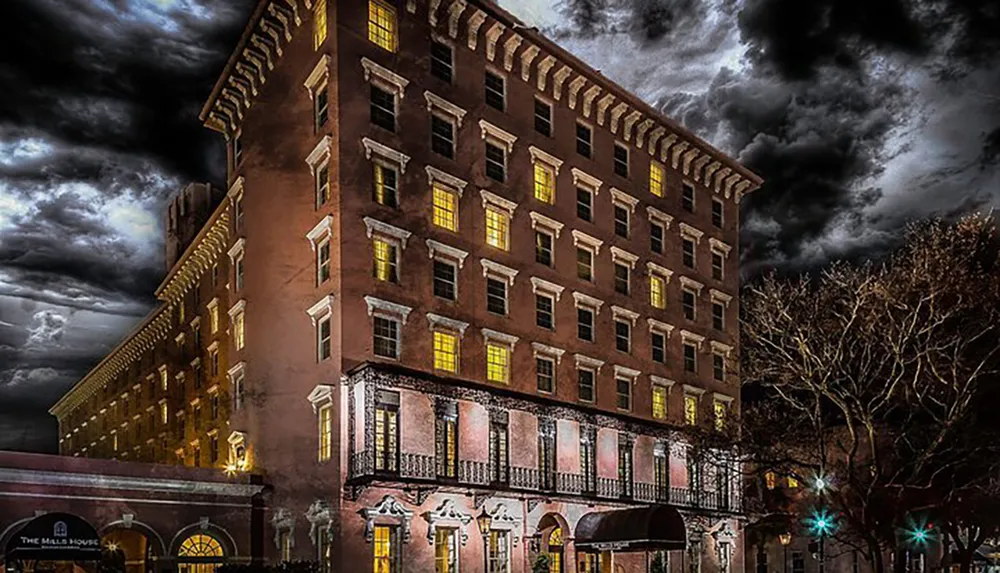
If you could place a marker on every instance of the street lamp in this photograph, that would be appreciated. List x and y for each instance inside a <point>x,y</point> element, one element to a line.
<point>785,539</point>
<point>484,520</point>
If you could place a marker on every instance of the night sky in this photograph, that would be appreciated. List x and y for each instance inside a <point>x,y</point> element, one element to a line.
<point>862,115</point>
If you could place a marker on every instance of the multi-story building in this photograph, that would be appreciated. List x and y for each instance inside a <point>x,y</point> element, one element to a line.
<point>462,275</point>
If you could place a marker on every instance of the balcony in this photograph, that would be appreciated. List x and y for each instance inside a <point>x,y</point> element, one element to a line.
<point>422,469</point>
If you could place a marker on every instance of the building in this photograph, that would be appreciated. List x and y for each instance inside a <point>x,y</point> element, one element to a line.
<point>458,273</point>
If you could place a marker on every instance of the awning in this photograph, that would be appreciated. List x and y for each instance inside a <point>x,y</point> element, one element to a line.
<point>657,527</point>
<point>55,537</point>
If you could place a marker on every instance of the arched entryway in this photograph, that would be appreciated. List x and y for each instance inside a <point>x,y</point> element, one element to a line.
<point>134,546</point>
<point>200,553</point>
<point>552,532</point>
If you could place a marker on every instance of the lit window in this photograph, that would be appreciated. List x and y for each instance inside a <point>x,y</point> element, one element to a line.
<point>659,402</point>
<point>385,337</point>
<point>164,413</point>
<point>497,228</point>
<point>384,188</point>
<point>720,415</point>
<point>239,331</point>
<point>445,208</point>
<point>385,260</point>
<point>446,440</point>
<point>163,378</point>
<point>657,292</point>
<point>792,482</point>
<point>770,480</point>
<point>237,275</point>
<point>445,550</point>
<point>687,198</point>
<point>690,409</point>
<point>497,363</point>
<point>621,160</point>
<point>445,352</point>
<point>499,553</point>
<point>386,432</point>
<point>386,549</point>
<point>238,395</point>
<point>213,316</point>
<point>382,25</point>
<point>545,183</point>
<point>319,24</point>
<point>656,179</point>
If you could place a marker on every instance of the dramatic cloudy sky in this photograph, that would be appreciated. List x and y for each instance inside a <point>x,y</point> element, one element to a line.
<point>860,114</point>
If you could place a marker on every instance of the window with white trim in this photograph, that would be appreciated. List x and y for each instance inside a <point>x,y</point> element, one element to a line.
<point>321,315</point>
<point>387,321</point>
<point>717,213</point>
<point>498,213</point>
<point>543,117</point>
<point>496,90</point>
<point>584,140</point>
<point>499,350</point>
<point>446,335</point>
<point>442,61</point>
<point>587,249</point>
<point>687,197</point>
<point>621,160</point>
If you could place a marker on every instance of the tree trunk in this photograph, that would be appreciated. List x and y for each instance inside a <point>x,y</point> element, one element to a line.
<point>878,564</point>
<point>899,561</point>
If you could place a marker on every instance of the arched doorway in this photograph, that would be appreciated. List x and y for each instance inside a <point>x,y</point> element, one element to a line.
<point>200,553</point>
<point>555,550</point>
<point>131,548</point>
<point>552,532</point>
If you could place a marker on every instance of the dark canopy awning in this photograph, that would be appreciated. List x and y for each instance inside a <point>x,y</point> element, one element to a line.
<point>657,527</point>
<point>55,537</point>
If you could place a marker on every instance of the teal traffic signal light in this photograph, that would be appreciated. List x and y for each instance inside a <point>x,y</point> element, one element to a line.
<point>821,522</point>
<point>919,534</point>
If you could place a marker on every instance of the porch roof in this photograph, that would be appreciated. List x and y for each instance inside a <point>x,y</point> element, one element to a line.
<point>657,527</point>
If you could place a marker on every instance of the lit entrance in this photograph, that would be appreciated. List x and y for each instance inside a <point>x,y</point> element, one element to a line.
<point>556,550</point>
<point>54,543</point>
<point>129,549</point>
<point>200,553</point>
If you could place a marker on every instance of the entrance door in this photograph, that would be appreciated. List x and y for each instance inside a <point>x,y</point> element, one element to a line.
<point>556,551</point>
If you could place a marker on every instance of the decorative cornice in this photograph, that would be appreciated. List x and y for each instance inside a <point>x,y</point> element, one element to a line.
<point>538,284</point>
<point>581,238</point>
<point>439,103</point>
<point>391,308</point>
<point>581,299</point>
<point>619,196</point>
<point>435,248</point>
<point>322,229</point>
<point>395,157</point>
<point>389,78</point>
<point>492,131</point>
<point>491,267</point>
<point>618,254</point>
<point>504,338</point>
<point>436,175</point>
<point>374,226</point>
<point>497,201</point>
<point>546,158</point>
<point>589,181</point>
<point>438,322</point>
<point>624,313</point>
<point>114,482</point>
<point>537,219</point>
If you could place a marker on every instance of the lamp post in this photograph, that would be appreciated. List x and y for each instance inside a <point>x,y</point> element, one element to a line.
<point>484,520</point>
<point>785,539</point>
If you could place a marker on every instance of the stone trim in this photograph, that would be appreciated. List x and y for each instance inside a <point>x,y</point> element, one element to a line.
<point>546,158</point>
<point>689,232</point>
<point>324,227</point>
<point>435,248</point>
<point>438,322</point>
<point>659,326</point>
<point>374,226</point>
<point>495,336</point>
<point>581,299</point>
<point>395,157</point>
<point>448,180</point>
<point>491,131</point>
<point>545,350</point>
<point>691,284</point>
<point>626,314</point>
<point>319,154</point>
<point>619,196</point>
<point>491,267</point>
<point>720,348</point>
<point>537,220</point>
<point>390,79</point>
<point>660,271</point>
<point>719,296</point>
<point>719,246</point>
<point>588,362</point>
<point>657,215</point>
<point>593,243</point>
<point>497,201</point>
<point>688,336</point>
<point>389,308</point>
<point>436,102</point>
<point>316,76</point>
<point>589,181</point>
<point>547,287</point>
<point>624,256</point>
<point>322,309</point>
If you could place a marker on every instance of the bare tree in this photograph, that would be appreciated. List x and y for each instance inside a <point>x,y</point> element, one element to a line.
<point>869,375</point>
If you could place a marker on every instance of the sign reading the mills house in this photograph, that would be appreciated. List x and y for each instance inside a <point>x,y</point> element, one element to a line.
<point>56,536</point>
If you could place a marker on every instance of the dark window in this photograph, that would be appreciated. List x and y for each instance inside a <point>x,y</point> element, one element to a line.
<point>621,160</point>
<point>444,280</point>
<point>494,91</point>
<point>621,221</point>
<point>547,454</point>
<point>214,406</point>
<point>386,337</point>
<point>687,302</point>
<point>625,465</point>
<point>585,384</point>
<point>690,360</point>
<point>719,367</point>
<point>545,373</point>
<point>588,459</point>
<point>687,198</point>
<point>496,296</point>
<point>661,477</point>
<point>584,204</point>
<point>585,324</point>
<point>716,213</point>
<point>621,278</point>
<point>238,272</point>
<point>718,316</point>
<point>659,344</point>
<point>798,562</point>
<point>496,163</point>
<point>543,118</point>
<point>383,108</point>
<point>623,335</point>
<point>717,263</point>
<point>321,106</point>
<point>543,248</point>
<point>499,452</point>
<point>584,264</point>
<point>624,388</point>
<point>543,311</point>
<point>441,61</point>
<point>385,185</point>
<point>656,237</point>
<point>687,252</point>
<point>386,431</point>
<point>442,137</point>
<point>446,440</point>
<point>584,140</point>
<point>238,208</point>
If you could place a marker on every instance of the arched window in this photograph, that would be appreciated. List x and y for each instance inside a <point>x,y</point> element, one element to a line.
<point>555,550</point>
<point>199,553</point>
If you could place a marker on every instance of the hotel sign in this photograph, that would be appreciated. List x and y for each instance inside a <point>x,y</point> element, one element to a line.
<point>55,537</point>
